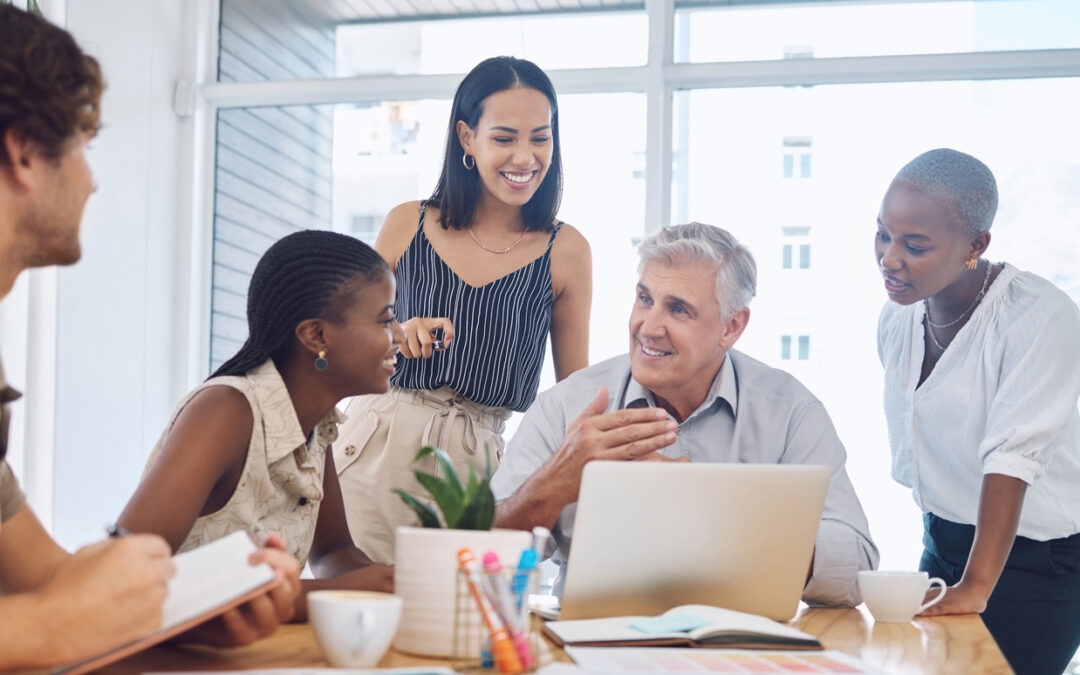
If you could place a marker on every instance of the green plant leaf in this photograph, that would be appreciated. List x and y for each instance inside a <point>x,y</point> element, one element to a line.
<point>480,511</point>
<point>449,472</point>
<point>427,515</point>
<point>474,483</point>
<point>450,502</point>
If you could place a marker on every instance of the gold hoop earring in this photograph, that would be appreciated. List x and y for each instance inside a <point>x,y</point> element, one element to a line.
<point>971,263</point>
<point>321,363</point>
<point>465,160</point>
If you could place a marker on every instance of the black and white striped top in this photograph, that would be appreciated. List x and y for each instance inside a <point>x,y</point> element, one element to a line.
<point>500,328</point>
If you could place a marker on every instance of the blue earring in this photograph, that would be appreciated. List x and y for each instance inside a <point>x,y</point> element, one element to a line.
<point>320,363</point>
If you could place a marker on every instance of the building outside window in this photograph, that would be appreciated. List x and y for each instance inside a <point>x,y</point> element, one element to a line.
<point>796,156</point>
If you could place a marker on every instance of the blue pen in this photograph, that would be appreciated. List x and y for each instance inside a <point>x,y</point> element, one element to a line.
<point>520,581</point>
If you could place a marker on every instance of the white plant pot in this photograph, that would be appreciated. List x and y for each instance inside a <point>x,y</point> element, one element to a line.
<point>425,576</point>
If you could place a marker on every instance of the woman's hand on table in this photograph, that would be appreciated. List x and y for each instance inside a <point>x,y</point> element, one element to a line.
<point>420,338</point>
<point>963,598</point>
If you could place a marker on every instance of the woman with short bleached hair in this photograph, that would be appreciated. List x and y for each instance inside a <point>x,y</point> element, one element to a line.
<point>981,389</point>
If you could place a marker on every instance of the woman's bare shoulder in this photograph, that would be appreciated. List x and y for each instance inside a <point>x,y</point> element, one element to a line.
<point>398,229</point>
<point>571,246</point>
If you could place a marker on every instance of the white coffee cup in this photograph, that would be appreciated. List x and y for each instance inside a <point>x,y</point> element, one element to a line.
<point>896,597</point>
<point>353,628</point>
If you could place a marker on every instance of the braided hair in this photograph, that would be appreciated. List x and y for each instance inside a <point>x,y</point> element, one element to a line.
<point>310,274</point>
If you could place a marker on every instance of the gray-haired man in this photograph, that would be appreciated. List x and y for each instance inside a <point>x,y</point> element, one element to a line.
<point>676,397</point>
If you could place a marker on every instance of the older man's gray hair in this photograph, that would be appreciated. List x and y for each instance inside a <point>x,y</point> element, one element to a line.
<point>736,272</point>
<point>965,185</point>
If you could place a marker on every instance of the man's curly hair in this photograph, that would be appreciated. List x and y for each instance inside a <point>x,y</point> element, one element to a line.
<point>49,89</point>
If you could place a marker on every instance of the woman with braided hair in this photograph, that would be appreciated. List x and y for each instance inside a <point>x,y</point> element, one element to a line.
<point>486,262</point>
<point>249,449</point>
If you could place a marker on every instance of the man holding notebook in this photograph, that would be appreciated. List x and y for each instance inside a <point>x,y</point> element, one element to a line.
<point>683,394</point>
<point>56,607</point>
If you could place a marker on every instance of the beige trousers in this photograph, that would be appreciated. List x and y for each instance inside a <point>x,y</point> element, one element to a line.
<point>376,444</point>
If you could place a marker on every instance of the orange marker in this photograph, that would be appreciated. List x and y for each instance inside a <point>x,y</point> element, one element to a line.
<point>502,648</point>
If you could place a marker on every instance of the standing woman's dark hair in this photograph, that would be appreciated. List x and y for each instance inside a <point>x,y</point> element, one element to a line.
<point>458,190</point>
<point>311,274</point>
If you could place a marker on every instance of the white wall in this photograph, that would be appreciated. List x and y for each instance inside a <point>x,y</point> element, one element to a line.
<point>122,311</point>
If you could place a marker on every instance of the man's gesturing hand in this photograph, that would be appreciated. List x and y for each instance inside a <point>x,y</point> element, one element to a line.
<point>619,435</point>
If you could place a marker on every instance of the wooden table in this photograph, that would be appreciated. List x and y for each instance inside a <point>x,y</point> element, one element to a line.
<point>953,644</point>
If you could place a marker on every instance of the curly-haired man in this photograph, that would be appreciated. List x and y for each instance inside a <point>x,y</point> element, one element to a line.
<point>59,607</point>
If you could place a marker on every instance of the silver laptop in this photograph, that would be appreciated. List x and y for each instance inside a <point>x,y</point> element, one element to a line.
<point>649,536</point>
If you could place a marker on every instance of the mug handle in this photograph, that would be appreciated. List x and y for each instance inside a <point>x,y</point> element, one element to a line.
<point>927,605</point>
<point>366,623</point>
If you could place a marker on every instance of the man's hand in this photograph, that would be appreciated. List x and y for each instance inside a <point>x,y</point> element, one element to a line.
<point>621,435</point>
<point>259,616</point>
<point>107,594</point>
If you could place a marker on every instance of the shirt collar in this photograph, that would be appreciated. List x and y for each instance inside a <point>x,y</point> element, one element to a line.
<point>280,423</point>
<point>724,387</point>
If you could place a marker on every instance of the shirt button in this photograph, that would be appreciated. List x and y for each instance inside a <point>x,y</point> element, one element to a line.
<point>350,450</point>
<point>303,501</point>
<point>678,430</point>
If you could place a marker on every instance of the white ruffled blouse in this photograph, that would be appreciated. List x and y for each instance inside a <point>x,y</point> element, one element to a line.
<point>1002,399</point>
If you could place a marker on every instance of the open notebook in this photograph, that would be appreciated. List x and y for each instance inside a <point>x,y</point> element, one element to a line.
<point>684,626</point>
<point>209,581</point>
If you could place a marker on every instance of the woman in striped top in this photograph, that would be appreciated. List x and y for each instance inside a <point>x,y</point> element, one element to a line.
<point>484,266</point>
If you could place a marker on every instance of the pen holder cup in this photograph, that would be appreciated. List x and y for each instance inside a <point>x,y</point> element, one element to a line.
<point>477,647</point>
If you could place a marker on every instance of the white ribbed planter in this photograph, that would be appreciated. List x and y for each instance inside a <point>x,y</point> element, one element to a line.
<point>425,576</point>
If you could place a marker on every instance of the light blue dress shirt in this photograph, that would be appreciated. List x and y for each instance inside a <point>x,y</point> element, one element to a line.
<point>752,414</point>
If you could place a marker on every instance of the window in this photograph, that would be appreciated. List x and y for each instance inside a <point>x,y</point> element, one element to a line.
<point>711,158</point>
<point>796,157</point>
<point>795,238</point>
<point>785,347</point>
<point>760,31</point>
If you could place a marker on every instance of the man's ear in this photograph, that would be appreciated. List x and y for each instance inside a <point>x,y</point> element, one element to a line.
<point>465,136</point>
<point>734,327</point>
<point>310,334</point>
<point>979,245</point>
<point>24,156</point>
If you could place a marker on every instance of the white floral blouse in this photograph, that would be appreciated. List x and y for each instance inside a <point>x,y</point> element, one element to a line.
<point>281,487</point>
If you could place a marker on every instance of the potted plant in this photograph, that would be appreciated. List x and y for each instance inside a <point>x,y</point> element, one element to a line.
<point>425,557</point>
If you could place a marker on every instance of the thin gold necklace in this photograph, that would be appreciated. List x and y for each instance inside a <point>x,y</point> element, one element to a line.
<point>495,250</point>
<point>982,292</point>
<point>930,325</point>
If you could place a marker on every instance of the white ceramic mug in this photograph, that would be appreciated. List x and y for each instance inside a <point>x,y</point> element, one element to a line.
<point>896,597</point>
<point>353,628</point>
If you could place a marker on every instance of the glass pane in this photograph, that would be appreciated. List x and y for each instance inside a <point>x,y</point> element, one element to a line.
<point>785,347</point>
<point>1023,129</point>
<point>603,140</point>
<point>804,256</point>
<point>786,262</point>
<point>455,46</point>
<point>789,165</point>
<point>826,29</point>
<point>804,347</point>
<point>297,39</point>
<point>804,163</point>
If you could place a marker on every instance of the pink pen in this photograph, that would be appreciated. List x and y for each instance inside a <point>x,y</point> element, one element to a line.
<point>506,607</point>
